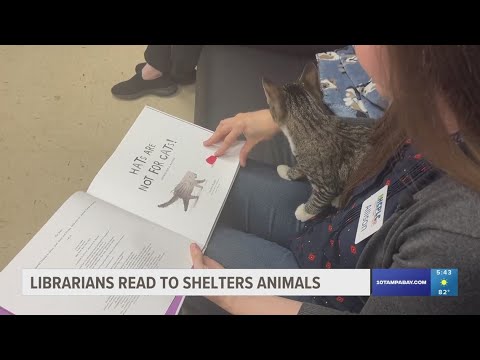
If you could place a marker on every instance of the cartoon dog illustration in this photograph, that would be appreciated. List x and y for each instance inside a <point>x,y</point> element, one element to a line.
<point>328,84</point>
<point>329,55</point>
<point>368,88</point>
<point>354,101</point>
<point>184,190</point>
<point>351,60</point>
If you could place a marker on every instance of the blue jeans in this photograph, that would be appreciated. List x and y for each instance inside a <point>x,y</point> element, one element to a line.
<point>258,220</point>
<point>256,226</point>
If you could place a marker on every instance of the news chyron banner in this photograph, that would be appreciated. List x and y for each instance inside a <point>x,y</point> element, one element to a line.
<point>244,282</point>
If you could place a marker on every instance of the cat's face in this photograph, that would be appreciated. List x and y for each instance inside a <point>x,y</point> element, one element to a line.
<point>282,99</point>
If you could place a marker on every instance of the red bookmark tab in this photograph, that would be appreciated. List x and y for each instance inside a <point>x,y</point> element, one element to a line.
<point>211,159</point>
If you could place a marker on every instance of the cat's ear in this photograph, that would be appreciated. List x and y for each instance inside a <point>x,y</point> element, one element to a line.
<point>272,92</point>
<point>274,97</point>
<point>311,81</point>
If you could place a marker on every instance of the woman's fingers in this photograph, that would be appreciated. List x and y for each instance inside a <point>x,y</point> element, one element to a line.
<point>249,144</point>
<point>228,141</point>
<point>221,131</point>
<point>197,256</point>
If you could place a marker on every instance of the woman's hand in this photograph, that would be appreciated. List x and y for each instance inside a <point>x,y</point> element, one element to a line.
<point>201,261</point>
<point>255,126</point>
<point>244,305</point>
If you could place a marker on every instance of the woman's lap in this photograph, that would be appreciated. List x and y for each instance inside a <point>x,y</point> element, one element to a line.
<point>258,220</point>
<point>262,203</point>
<point>236,249</point>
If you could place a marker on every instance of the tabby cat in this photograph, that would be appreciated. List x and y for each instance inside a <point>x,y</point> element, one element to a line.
<point>327,149</point>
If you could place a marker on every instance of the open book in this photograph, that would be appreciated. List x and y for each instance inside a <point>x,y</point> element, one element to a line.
<point>160,191</point>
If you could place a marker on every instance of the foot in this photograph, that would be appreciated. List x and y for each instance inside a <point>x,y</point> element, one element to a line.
<point>282,170</point>
<point>301,214</point>
<point>137,87</point>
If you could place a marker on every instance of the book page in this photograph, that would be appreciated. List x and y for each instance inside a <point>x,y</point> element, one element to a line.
<point>87,233</point>
<point>162,172</point>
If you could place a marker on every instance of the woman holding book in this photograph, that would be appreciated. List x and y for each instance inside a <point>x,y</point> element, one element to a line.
<point>426,148</point>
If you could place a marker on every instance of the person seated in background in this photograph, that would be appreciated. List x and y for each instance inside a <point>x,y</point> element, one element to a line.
<point>167,66</point>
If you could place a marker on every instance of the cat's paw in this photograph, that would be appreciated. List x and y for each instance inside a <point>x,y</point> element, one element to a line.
<point>282,170</point>
<point>336,202</point>
<point>301,214</point>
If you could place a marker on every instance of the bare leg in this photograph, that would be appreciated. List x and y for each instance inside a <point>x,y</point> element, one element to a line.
<point>150,73</point>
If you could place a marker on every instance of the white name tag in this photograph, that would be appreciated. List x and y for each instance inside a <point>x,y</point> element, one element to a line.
<point>371,216</point>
